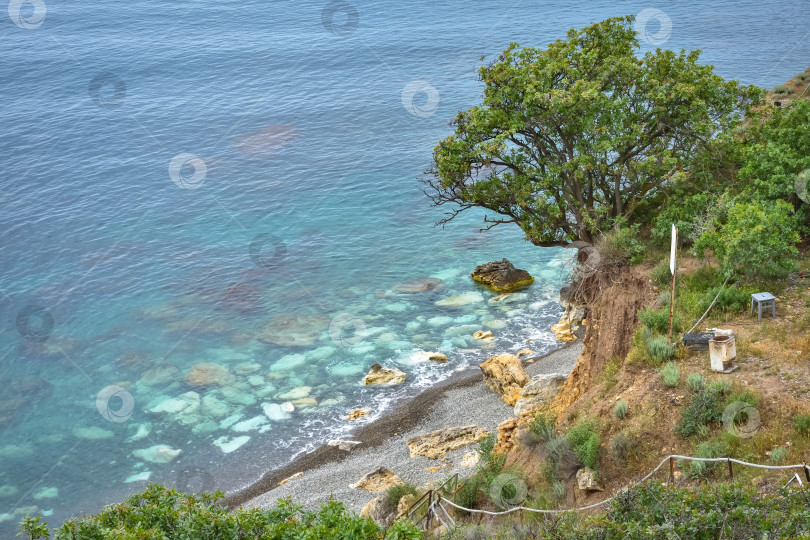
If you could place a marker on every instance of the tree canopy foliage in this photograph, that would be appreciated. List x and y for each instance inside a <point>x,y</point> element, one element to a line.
<point>571,138</point>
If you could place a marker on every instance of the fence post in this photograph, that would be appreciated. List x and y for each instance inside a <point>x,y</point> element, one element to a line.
<point>671,470</point>
<point>807,472</point>
<point>730,470</point>
<point>521,516</point>
<point>429,516</point>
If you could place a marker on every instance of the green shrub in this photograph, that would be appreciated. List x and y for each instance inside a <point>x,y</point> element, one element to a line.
<point>661,275</point>
<point>658,320</point>
<point>746,396</point>
<point>659,350</point>
<point>542,427</point>
<point>722,386</point>
<point>396,492</point>
<point>781,90</point>
<point>708,449</point>
<point>757,240</point>
<point>467,494</point>
<point>705,408</point>
<point>694,381</point>
<point>619,446</point>
<point>583,438</point>
<point>688,213</point>
<point>162,513</point>
<point>620,246</point>
<point>486,448</point>
<point>731,300</point>
<point>778,455</point>
<point>670,374</point>
<point>803,77</point>
<point>801,423</point>
<point>620,410</point>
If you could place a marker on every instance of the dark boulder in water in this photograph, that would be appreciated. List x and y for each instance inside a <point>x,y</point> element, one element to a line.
<point>502,276</point>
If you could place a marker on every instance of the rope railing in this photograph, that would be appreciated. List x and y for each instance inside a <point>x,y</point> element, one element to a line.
<point>668,459</point>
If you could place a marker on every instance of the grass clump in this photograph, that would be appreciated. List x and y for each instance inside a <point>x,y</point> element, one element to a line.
<point>658,320</point>
<point>661,275</point>
<point>778,455</point>
<point>730,299</point>
<point>542,427</point>
<point>801,423</point>
<point>670,375</point>
<point>620,410</point>
<point>619,446</point>
<point>803,77</point>
<point>396,492</point>
<point>781,90</point>
<point>707,449</point>
<point>705,408</point>
<point>694,381</point>
<point>584,440</point>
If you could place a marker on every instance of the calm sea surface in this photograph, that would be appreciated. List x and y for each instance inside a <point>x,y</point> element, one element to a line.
<point>207,208</point>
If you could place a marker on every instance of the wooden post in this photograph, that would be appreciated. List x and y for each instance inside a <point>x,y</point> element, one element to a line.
<point>521,516</point>
<point>807,472</point>
<point>672,269</point>
<point>671,470</point>
<point>730,470</point>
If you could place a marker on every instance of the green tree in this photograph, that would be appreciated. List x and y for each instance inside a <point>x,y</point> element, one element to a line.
<point>569,138</point>
<point>756,240</point>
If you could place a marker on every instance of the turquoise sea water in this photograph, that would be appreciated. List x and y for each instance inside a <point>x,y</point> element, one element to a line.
<point>235,183</point>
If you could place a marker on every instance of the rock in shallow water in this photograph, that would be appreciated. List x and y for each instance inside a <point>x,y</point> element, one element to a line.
<point>383,376</point>
<point>160,453</point>
<point>209,373</point>
<point>502,276</point>
<point>227,446</point>
<point>294,330</point>
<point>459,300</point>
<point>419,285</point>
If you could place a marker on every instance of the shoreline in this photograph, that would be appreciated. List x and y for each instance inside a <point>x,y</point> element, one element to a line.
<point>382,441</point>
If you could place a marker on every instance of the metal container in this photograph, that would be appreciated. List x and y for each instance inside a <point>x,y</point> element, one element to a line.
<point>722,352</point>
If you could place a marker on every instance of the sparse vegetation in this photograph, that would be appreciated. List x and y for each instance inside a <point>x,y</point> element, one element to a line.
<point>670,375</point>
<point>778,455</point>
<point>658,320</point>
<point>801,423</point>
<point>705,408</point>
<point>781,90</point>
<point>584,440</point>
<point>396,492</point>
<point>620,410</point>
<point>694,381</point>
<point>619,446</point>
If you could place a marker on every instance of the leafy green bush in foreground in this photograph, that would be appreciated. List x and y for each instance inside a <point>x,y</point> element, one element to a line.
<point>160,513</point>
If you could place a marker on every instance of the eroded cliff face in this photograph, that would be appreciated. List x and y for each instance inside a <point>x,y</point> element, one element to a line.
<point>610,325</point>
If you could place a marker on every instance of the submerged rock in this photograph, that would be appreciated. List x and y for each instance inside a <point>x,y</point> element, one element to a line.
<point>296,393</point>
<point>294,330</point>
<point>426,356</point>
<point>275,412</point>
<point>539,390</point>
<point>92,433</point>
<point>160,453</point>
<point>383,376</point>
<point>437,443</point>
<point>502,276</point>
<point>504,374</point>
<point>159,375</point>
<point>230,445</point>
<point>419,285</point>
<point>378,480</point>
<point>459,300</point>
<point>209,373</point>
<point>483,334</point>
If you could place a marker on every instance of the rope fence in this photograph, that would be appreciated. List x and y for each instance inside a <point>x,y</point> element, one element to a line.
<point>434,504</point>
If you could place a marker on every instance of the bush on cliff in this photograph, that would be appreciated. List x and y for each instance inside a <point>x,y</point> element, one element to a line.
<point>162,513</point>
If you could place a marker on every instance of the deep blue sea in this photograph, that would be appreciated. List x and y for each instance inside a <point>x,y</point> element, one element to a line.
<point>207,209</point>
